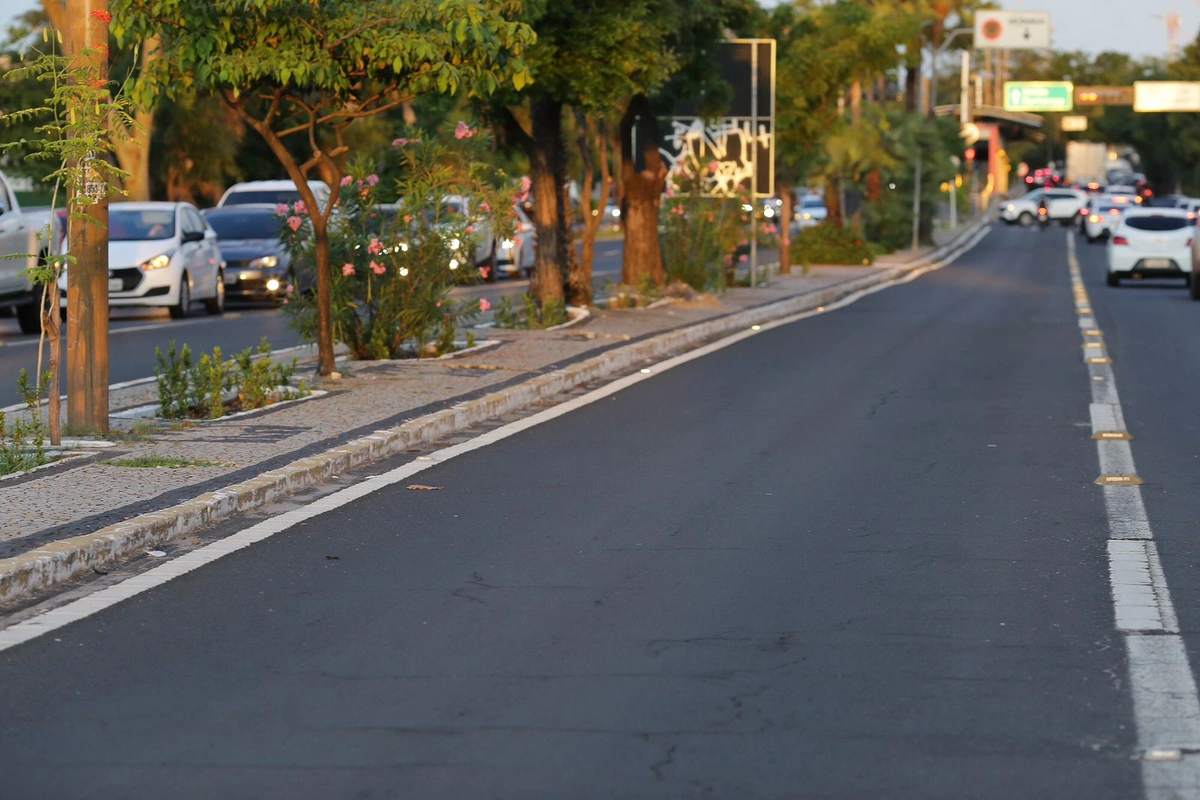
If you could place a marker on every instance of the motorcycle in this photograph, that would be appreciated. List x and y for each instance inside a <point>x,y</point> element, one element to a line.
<point>1043,219</point>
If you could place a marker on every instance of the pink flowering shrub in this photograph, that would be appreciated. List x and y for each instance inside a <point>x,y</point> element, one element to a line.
<point>700,234</point>
<point>391,297</point>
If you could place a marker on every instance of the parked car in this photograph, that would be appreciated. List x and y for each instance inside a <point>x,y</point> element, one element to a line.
<point>1151,243</point>
<point>257,267</point>
<point>811,211</point>
<point>22,233</point>
<point>518,255</point>
<point>1103,217</point>
<point>1063,205</point>
<point>271,193</point>
<point>164,255</point>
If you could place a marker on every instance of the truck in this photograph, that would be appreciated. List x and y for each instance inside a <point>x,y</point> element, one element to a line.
<point>27,234</point>
<point>1086,162</point>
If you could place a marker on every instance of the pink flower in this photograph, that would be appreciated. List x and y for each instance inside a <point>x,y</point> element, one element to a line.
<point>712,167</point>
<point>372,179</point>
<point>743,258</point>
<point>347,270</point>
<point>399,142</point>
<point>484,305</point>
<point>485,208</point>
<point>470,229</point>
<point>378,269</point>
<point>102,15</point>
<point>281,209</point>
<point>294,223</point>
<point>464,131</point>
<point>375,247</point>
<point>407,219</point>
<point>483,272</point>
<point>439,305</point>
<point>299,207</point>
<point>346,181</point>
<point>526,184</point>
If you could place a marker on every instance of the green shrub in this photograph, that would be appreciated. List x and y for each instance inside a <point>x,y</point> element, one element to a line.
<point>827,244</point>
<point>23,444</point>
<point>197,390</point>
<point>529,315</point>
<point>700,233</point>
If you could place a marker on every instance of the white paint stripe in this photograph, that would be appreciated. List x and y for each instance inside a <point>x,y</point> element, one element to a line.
<point>107,597</point>
<point>1166,706</point>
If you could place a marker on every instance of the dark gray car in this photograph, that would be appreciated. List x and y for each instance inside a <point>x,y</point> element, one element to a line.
<point>257,266</point>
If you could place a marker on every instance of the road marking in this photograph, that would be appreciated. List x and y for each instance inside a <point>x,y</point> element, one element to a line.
<point>54,619</point>
<point>1166,706</point>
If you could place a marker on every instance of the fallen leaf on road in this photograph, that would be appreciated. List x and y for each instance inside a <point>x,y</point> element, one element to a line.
<point>155,553</point>
<point>334,558</point>
<point>420,487</point>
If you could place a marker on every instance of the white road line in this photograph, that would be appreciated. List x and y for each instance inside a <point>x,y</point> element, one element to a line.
<point>1166,706</point>
<point>110,596</point>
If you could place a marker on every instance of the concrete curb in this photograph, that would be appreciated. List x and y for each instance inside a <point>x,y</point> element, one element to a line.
<point>60,561</point>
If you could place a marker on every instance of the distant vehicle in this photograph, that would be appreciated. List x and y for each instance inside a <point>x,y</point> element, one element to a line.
<point>1102,218</point>
<point>1063,205</point>
<point>271,193</point>
<point>257,267</point>
<point>518,255</point>
<point>21,233</point>
<point>812,211</point>
<point>1087,162</point>
<point>162,254</point>
<point>1151,243</point>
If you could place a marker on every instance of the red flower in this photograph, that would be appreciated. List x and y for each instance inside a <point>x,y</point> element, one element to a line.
<point>98,84</point>
<point>102,15</point>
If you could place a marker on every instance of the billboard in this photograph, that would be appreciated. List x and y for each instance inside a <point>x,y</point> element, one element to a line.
<point>1038,96</point>
<point>729,152</point>
<point>1012,30</point>
<point>1156,96</point>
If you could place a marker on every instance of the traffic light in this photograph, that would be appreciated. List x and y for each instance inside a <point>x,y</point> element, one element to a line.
<point>970,154</point>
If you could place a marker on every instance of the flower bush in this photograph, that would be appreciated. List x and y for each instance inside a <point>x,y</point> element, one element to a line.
<point>700,234</point>
<point>398,263</point>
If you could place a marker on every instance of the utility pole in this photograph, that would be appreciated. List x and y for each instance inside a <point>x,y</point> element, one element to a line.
<point>87,278</point>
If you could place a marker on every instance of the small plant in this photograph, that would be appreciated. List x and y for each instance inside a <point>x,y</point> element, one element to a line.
<point>172,371</point>
<point>199,389</point>
<point>829,244</point>
<point>152,462</point>
<point>529,316</point>
<point>23,443</point>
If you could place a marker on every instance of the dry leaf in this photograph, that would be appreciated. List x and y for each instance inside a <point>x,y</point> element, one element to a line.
<point>420,487</point>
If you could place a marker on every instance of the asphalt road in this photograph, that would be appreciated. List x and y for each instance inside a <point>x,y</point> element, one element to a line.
<point>856,556</point>
<point>136,333</point>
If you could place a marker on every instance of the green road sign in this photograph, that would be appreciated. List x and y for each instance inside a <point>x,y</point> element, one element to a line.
<point>1038,96</point>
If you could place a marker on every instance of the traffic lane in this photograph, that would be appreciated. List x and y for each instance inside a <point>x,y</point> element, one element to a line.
<point>133,338</point>
<point>606,268</point>
<point>1152,333</point>
<point>869,538</point>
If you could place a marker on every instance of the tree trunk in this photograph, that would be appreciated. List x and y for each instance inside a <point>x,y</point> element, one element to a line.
<point>874,191</point>
<point>856,93</point>
<point>545,149</point>
<point>912,76</point>
<point>643,176</point>
<point>590,134</point>
<point>785,228</point>
<point>52,327</point>
<point>325,360</point>
<point>833,201</point>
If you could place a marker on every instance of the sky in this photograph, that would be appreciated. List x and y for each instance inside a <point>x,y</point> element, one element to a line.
<point>1127,26</point>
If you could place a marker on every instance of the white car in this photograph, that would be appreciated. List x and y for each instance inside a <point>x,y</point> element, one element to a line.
<point>811,211</point>
<point>271,193</point>
<point>1063,205</point>
<point>164,255</point>
<point>518,255</point>
<point>1151,243</point>
<point>1103,217</point>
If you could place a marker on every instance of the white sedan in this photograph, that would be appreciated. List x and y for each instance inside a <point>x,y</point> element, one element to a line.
<point>812,211</point>
<point>1103,217</point>
<point>164,255</point>
<point>1064,205</point>
<point>1151,243</point>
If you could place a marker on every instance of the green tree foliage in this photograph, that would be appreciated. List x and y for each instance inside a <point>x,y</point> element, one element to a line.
<point>309,68</point>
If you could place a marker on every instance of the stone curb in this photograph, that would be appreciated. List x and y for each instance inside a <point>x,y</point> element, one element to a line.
<point>60,561</point>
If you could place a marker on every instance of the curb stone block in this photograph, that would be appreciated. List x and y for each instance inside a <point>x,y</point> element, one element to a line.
<point>60,561</point>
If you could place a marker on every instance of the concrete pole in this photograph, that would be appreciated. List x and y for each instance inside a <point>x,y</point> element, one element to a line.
<point>753,165</point>
<point>87,278</point>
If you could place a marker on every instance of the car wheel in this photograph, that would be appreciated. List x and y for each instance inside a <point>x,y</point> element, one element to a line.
<point>1113,279</point>
<point>1026,219</point>
<point>29,316</point>
<point>216,305</point>
<point>184,306</point>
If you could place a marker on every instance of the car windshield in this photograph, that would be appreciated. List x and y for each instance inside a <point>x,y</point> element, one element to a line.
<point>812,202</point>
<point>245,224</point>
<point>135,225</point>
<point>1157,223</point>
<point>1109,209</point>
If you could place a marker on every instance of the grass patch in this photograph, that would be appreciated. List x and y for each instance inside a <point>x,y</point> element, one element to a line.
<point>152,462</point>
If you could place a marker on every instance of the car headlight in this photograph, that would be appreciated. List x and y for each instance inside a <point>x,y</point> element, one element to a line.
<point>808,216</point>
<point>1093,218</point>
<point>616,212</point>
<point>768,212</point>
<point>266,262</point>
<point>507,244</point>
<point>1011,207</point>
<point>160,261</point>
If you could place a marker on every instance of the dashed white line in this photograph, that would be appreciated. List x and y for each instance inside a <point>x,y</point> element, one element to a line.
<point>1166,706</point>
